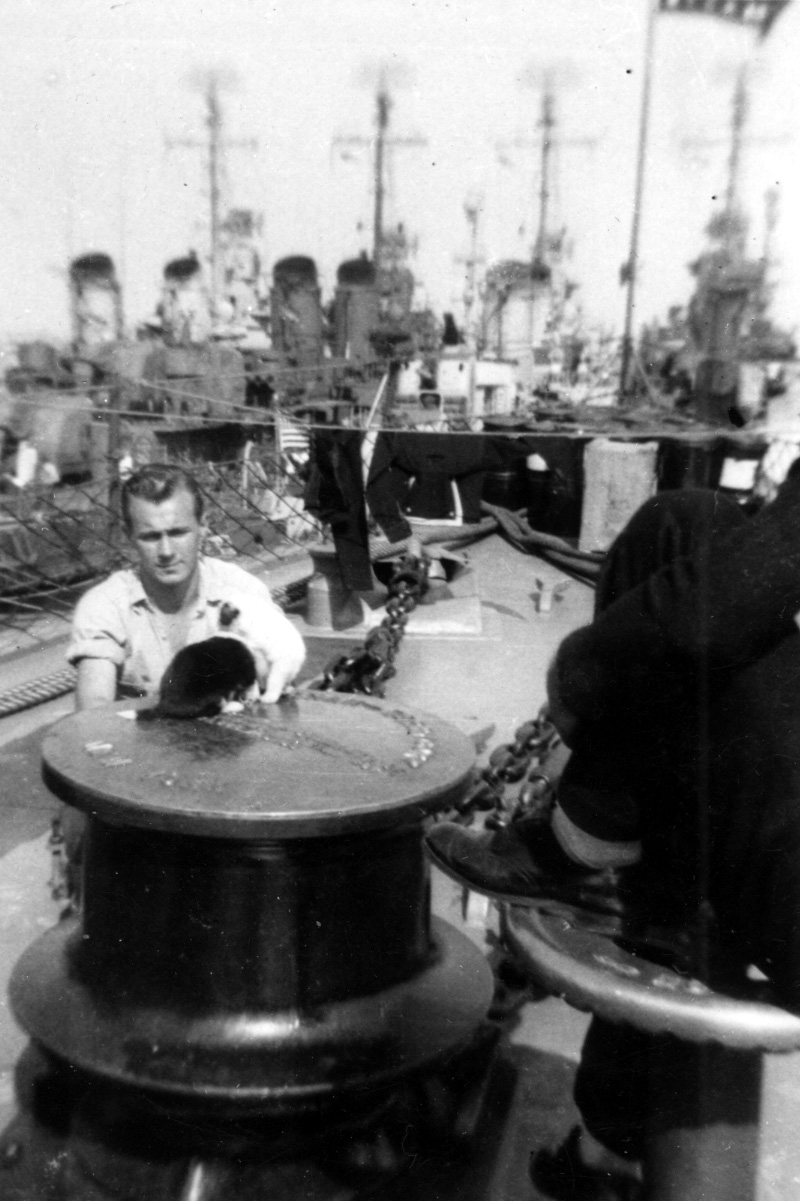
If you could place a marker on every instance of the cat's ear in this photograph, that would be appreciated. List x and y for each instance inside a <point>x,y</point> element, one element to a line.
<point>227,615</point>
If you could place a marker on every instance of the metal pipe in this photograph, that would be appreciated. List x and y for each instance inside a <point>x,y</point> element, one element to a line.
<point>633,256</point>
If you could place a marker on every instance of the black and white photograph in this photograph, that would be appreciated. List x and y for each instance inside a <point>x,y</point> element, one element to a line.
<point>400,600</point>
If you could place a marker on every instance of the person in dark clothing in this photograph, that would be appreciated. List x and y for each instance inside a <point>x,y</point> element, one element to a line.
<point>334,493</point>
<point>681,799</point>
<point>438,460</point>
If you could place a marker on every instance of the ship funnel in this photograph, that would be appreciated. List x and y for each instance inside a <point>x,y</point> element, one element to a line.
<point>296,311</point>
<point>356,310</point>
<point>185,306</point>
<point>356,273</point>
<point>95,302</point>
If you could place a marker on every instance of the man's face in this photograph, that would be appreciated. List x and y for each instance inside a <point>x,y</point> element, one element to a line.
<point>167,537</point>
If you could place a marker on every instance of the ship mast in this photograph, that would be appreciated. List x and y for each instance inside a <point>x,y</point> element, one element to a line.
<point>547,125</point>
<point>214,125</point>
<point>733,233</point>
<point>770,224</point>
<point>550,79</point>
<point>472,213</point>
<point>211,82</point>
<point>382,124</point>
<point>381,146</point>
<point>631,267</point>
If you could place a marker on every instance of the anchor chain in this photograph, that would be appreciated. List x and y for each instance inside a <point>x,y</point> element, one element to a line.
<point>369,667</point>
<point>515,782</point>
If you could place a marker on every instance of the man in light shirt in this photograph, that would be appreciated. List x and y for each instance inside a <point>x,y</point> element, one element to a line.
<point>127,629</point>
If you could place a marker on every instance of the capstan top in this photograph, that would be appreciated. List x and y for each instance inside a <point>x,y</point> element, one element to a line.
<point>319,764</point>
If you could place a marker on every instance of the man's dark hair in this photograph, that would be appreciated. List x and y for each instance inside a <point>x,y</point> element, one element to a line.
<point>158,482</point>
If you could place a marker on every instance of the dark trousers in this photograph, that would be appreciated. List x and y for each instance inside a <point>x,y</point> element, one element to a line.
<point>595,790</point>
<point>597,793</point>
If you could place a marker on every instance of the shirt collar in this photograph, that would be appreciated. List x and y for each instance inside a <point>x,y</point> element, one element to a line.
<point>139,598</point>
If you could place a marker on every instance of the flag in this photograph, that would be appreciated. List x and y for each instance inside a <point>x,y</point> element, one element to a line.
<point>758,14</point>
<point>292,440</point>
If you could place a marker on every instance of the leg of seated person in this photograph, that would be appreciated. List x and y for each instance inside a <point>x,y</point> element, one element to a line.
<point>602,1158</point>
<point>668,526</point>
<point>595,798</point>
<point>612,1079</point>
<point>611,1087</point>
<point>595,826</point>
<point>596,819</point>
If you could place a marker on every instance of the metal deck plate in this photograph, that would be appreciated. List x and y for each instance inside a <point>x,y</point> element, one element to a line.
<point>593,973</point>
<point>319,764</point>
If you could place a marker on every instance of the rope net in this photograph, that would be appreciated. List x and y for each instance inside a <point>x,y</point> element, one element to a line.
<point>55,540</point>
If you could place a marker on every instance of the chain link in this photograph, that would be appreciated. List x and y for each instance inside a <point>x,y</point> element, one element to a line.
<point>369,667</point>
<point>514,782</point>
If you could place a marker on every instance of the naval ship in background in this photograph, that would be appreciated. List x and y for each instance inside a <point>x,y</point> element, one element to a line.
<point>236,369</point>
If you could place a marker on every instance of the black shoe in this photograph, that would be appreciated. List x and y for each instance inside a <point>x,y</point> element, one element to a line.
<point>523,864</point>
<point>562,1175</point>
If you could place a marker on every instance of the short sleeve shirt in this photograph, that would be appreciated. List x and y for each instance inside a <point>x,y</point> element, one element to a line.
<point>116,621</point>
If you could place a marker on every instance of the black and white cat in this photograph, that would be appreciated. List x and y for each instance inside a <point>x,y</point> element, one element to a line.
<point>208,677</point>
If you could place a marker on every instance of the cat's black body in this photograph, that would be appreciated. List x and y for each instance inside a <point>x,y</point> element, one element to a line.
<point>202,677</point>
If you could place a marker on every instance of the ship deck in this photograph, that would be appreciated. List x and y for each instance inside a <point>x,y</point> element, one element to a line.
<point>478,661</point>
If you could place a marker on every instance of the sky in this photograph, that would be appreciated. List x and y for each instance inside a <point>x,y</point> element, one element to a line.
<point>96,94</point>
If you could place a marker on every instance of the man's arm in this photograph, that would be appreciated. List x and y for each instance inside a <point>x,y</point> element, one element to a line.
<point>97,647</point>
<point>97,683</point>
